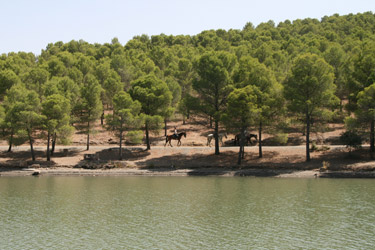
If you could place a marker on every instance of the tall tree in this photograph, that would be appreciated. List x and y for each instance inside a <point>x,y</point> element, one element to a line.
<point>337,58</point>
<point>365,114</point>
<point>240,113</point>
<point>125,116</point>
<point>155,98</point>
<point>184,75</point>
<point>268,91</point>
<point>56,111</point>
<point>213,85</point>
<point>22,114</point>
<point>309,88</point>
<point>363,73</point>
<point>90,105</point>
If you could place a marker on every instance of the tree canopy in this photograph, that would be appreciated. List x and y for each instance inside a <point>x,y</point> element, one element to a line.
<point>313,62</point>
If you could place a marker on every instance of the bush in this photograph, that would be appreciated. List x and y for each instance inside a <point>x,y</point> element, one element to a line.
<point>280,139</point>
<point>351,139</point>
<point>134,137</point>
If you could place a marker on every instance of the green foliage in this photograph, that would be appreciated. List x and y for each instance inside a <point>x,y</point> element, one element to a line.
<point>125,115</point>
<point>214,82</point>
<point>135,137</point>
<point>309,89</point>
<point>241,109</point>
<point>309,86</point>
<point>351,139</point>
<point>7,79</point>
<point>365,113</point>
<point>64,134</point>
<point>241,112</point>
<point>91,105</point>
<point>56,110</point>
<point>198,73</point>
<point>155,97</point>
<point>22,114</point>
<point>280,139</point>
<point>153,94</point>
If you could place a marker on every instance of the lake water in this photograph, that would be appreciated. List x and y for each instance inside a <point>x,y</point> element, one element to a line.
<point>186,213</point>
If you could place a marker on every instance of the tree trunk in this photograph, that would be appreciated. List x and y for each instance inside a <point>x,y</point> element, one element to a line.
<point>147,138</point>
<point>241,142</point>
<point>340,104</point>
<point>165,127</point>
<point>260,140</point>
<point>48,139</point>
<point>120,152</point>
<point>31,145</point>
<point>54,137</point>
<point>217,151</point>
<point>210,121</point>
<point>10,141</point>
<point>372,138</point>
<point>102,119</point>
<point>307,137</point>
<point>88,135</point>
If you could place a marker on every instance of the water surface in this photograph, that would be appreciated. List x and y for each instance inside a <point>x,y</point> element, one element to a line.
<point>186,213</point>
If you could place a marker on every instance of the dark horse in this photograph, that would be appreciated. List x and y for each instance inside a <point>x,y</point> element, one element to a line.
<point>169,138</point>
<point>248,139</point>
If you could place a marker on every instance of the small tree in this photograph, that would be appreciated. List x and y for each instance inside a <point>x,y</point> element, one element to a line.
<point>125,116</point>
<point>351,139</point>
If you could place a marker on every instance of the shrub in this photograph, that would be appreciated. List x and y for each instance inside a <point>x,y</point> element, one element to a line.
<point>351,139</point>
<point>135,137</point>
<point>280,139</point>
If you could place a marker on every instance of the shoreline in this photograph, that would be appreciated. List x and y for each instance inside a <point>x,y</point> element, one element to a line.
<point>279,162</point>
<point>209,172</point>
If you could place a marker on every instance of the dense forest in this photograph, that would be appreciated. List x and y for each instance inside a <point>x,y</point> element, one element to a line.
<point>269,78</point>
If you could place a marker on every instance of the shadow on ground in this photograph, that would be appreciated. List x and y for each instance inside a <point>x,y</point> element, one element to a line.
<point>271,164</point>
<point>106,157</point>
<point>21,159</point>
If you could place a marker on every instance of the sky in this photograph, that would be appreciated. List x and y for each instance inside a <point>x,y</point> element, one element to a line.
<point>30,25</point>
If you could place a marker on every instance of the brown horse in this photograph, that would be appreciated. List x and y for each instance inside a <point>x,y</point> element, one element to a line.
<point>169,138</point>
<point>247,139</point>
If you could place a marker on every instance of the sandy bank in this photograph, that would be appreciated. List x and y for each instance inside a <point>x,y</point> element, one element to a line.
<point>286,162</point>
<point>278,173</point>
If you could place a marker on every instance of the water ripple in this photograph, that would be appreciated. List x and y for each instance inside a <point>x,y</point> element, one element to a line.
<point>185,213</point>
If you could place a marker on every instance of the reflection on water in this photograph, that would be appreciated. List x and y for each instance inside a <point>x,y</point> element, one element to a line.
<point>185,213</point>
